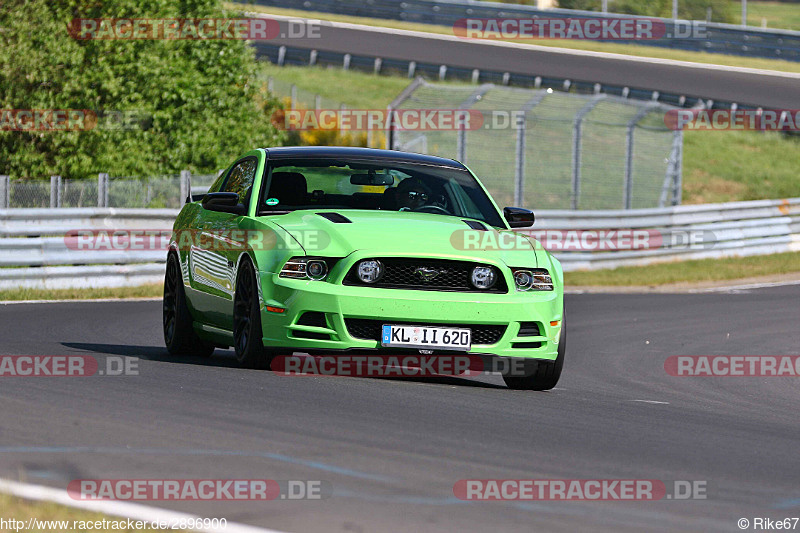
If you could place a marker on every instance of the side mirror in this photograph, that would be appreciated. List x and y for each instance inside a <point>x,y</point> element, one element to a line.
<point>518,217</point>
<point>224,202</point>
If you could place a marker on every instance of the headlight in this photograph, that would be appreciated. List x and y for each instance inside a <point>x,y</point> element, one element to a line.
<point>483,277</point>
<point>370,270</point>
<point>304,268</point>
<point>532,279</point>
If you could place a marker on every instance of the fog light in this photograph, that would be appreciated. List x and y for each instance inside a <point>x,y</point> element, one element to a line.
<point>532,279</point>
<point>370,270</point>
<point>483,277</point>
<point>304,268</point>
<point>317,269</point>
<point>523,279</point>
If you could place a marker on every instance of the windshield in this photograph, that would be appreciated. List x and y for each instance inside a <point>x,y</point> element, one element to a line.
<point>378,186</point>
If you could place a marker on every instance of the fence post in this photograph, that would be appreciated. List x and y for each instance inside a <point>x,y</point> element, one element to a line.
<point>55,191</point>
<point>102,190</point>
<point>293,97</point>
<point>461,144</point>
<point>5,192</point>
<point>577,132</point>
<point>186,186</point>
<point>678,190</point>
<point>390,128</point>
<point>520,169</point>
<point>629,134</point>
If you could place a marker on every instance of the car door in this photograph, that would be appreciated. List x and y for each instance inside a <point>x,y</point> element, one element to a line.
<point>215,253</point>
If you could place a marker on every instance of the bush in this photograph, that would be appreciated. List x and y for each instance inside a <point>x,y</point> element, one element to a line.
<point>205,105</point>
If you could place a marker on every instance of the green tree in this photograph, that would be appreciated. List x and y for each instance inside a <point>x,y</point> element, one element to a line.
<point>721,10</point>
<point>202,97</point>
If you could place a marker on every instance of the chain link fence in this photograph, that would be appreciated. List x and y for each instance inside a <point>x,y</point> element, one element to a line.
<point>553,150</point>
<point>167,191</point>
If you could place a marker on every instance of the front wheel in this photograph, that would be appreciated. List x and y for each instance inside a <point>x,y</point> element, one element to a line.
<point>247,332</point>
<point>541,375</point>
<point>179,334</point>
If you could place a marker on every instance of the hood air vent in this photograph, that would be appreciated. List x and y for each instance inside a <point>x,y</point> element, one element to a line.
<point>336,218</point>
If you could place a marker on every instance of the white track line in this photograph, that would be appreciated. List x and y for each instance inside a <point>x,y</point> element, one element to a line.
<point>749,286</point>
<point>537,48</point>
<point>91,300</point>
<point>133,511</point>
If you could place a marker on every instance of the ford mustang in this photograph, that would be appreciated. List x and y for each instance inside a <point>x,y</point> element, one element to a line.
<point>348,250</point>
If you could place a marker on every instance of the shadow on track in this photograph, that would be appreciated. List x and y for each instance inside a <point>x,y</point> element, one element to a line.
<point>225,359</point>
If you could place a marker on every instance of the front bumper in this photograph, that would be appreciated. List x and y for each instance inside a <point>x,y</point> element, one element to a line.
<point>340,302</point>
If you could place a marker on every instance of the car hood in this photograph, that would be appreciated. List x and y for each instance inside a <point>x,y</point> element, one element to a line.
<point>388,233</point>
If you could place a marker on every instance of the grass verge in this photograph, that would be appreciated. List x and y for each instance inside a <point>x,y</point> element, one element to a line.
<point>695,271</point>
<point>63,518</point>
<point>143,291</point>
<point>779,15</point>
<point>614,48</point>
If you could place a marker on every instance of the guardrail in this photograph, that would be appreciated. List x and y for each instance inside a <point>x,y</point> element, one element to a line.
<point>34,251</point>
<point>719,38</point>
<point>282,55</point>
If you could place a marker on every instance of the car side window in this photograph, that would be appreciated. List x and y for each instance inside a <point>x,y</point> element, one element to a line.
<point>240,179</point>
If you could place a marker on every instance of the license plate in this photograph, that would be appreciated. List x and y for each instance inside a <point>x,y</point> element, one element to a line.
<point>426,337</point>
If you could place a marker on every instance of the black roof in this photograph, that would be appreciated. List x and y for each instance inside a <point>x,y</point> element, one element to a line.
<point>292,152</point>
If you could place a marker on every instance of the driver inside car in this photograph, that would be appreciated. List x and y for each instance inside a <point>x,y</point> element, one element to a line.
<point>412,194</point>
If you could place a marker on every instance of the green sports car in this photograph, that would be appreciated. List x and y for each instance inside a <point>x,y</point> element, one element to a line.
<point>352,250</point>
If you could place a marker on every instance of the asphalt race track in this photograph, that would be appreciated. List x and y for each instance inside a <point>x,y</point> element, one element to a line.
<point>393,449</point>
<point>778,91</point>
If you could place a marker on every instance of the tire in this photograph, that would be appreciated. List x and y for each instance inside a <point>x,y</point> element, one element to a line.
<point>247,332</point>
<point>179,334</point>
<point>542,375</point>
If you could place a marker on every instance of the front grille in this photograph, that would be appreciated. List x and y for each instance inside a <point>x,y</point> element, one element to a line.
<point>401,273</point>
<point>369,329</point>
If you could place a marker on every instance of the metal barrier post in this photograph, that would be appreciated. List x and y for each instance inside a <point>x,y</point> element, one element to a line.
<point>677,139</point>
<point>519,171</point>
<point>186,186</point>
<point>390,128</point>
<point>577,126</point>
<point>461,144</point>
<point>55,191</point>
<point>629,134</point>
<point>5,192</point>
<point>102,194</point>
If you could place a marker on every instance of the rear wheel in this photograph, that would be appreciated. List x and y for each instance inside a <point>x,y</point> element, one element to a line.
<point>541,375</point>
<point>179,334</point>
<point>247,332</point>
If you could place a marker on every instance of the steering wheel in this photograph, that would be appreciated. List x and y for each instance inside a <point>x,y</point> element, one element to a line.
<point>434,208</point>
